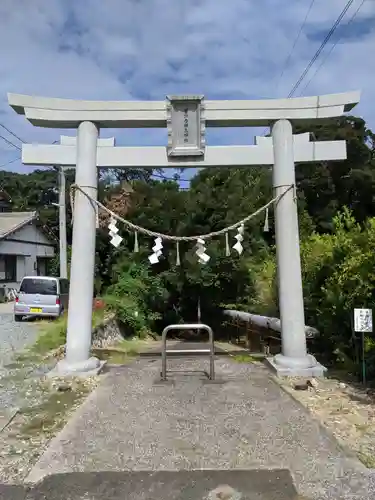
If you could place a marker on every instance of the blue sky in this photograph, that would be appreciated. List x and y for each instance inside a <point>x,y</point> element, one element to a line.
<point>145,49</point>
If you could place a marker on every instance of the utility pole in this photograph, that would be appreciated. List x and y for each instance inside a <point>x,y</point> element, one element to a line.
<point>62,225</point>
<point>69,141</point>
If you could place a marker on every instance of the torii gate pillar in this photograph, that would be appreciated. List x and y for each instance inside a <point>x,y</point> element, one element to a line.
<point>81,293</point>
<point>294,359</point>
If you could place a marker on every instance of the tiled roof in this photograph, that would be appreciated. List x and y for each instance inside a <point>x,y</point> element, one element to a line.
<point>4,196</point>
<point>11,221</point>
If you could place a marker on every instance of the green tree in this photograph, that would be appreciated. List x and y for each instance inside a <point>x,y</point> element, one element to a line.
<point>328,187</point>
<point>218,197</point>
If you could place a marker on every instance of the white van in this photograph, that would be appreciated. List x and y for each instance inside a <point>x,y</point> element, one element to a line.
<point>41,296</point>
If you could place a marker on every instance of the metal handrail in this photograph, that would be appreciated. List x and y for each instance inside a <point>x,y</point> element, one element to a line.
<point>192,326</point>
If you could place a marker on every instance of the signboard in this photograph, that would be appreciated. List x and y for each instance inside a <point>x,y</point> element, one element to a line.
<point>363,320</point>
<point>186,126</point>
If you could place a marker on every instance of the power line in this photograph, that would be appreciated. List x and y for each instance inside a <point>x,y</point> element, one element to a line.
<point>9,162</point>
<point>20,157</point>
<point>333,47</point>
<point>10,142</point>
<point>11,132</point>
<point>288,58</point>
<point>323,44</point>
<point>54,142</point>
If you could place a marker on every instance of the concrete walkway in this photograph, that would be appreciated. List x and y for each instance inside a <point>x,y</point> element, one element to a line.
<point>133,423</point>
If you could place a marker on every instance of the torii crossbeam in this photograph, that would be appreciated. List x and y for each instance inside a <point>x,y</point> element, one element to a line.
<point>157,157</point>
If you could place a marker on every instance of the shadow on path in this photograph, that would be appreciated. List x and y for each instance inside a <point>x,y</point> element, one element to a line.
<point>172,485</point>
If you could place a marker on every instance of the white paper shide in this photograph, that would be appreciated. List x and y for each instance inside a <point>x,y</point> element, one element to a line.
<point>157,251</point>
<point>113,233</point>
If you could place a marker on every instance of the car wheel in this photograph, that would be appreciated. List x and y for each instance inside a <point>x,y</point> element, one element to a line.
<point>17,317</point>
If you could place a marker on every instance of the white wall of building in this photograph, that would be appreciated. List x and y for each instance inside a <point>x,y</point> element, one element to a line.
<point>28,243</point>
<point>21,267</point>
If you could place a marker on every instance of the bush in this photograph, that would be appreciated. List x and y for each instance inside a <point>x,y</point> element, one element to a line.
<point>338,272</point>
<point>344,280</point>
<point>263,273</point>
<point>136,297</point>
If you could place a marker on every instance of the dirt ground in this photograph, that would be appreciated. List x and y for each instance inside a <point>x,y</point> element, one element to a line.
<point>346,409</point>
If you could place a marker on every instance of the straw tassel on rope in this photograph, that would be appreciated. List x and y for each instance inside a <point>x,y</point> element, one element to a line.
<point>178,261</point>
<point>136,245</point>
<point>227,248</point>
<point>71,197</point>
<point>266,226</point>
<point>96,208</point>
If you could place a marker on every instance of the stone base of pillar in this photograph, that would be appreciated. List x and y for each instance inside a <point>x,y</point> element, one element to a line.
<point>90,367</point>
<point>296,367</point>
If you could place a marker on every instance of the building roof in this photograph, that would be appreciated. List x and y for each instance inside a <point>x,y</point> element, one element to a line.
<point>4,196</point>
<point>12,221</point>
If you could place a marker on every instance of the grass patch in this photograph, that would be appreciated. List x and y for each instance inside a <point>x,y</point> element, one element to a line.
<point>13,376</point>
<point>52,335</point>
<point>12,366</point>
<point>247,358</point>
<point>367,460</point>
<point>49,416</point>
<point>121,352</point>
<point>363,428</point>
<point>26,358</point>
<point>134,346</point>
<point>112,356</point>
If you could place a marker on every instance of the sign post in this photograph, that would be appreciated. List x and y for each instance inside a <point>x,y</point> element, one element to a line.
<point>362,325</point>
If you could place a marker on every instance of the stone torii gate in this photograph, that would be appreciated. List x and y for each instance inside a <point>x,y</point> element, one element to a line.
<point>186,118</point>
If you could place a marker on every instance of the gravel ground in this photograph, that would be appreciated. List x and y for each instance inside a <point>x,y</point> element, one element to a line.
<point>346,409</point>
<point>13,337</point>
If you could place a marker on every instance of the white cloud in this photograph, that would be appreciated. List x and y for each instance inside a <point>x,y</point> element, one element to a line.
<point>142,49</point>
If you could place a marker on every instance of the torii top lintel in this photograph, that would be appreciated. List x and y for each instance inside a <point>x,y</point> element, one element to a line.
<point>68,113</point>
